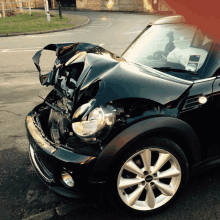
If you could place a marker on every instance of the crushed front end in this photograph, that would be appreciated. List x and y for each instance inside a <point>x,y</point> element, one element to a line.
<point>59,165</point>
<point>61,158</point>
<point>96,96</point>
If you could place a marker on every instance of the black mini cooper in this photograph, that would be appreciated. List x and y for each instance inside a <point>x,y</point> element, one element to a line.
<point>130,128</point>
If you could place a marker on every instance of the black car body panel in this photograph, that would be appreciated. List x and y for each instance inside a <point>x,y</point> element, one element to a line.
<point>132,82</point>
<point>153,126</point>
<point>148,102</point>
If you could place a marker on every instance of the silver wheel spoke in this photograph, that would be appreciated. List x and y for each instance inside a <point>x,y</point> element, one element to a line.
<point>125,183</point>
<point>163,158</point>
<point>150,180</point>
<point>132,167</point>
<point>132,198</point>
<point>171,172</point>
<point>150,198</point>
<point>164,188</point>
<point>146,158</point>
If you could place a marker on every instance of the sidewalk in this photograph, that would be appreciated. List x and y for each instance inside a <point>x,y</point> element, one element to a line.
<point>75,20</point>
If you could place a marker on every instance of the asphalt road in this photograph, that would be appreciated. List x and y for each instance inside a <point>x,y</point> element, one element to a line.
<point>22,194</point>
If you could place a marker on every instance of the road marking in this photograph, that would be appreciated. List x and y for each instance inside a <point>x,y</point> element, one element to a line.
<point>34,36</point>
<point>48,35</point>
<point>25,48</point>
<point>82,30</point>
<point>109,24</point>
<point>95,22</point>
<point>122,20</point>
<point>14,50</point>
<point>17,51</point>
<point>100,24</point>
<point>20,49</point>
<point>62,34</point>
<point>96,26</point>
<point>134,32</point>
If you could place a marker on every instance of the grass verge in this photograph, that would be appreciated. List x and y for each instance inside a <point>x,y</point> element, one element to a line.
<point>27,23</point>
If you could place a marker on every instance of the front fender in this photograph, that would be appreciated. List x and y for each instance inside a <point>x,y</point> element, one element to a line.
<point>160,125</point>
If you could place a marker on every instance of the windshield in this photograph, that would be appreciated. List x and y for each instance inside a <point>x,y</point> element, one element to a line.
<point>177,49</point>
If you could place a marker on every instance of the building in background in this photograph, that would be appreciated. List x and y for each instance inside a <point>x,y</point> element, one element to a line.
<point>53,4</point>
<point>40,4</point>
<point>153,6</point>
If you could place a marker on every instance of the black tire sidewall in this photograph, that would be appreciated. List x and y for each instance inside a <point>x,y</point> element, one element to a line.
<point>157,142</point>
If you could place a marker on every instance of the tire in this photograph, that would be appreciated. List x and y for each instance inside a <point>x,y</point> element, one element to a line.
<point>140,186</point>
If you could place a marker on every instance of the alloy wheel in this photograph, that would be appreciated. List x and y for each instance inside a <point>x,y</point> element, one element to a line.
<point>149,179</point>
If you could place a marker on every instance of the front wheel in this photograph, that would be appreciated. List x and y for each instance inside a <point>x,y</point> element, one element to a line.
<point>149,176</point>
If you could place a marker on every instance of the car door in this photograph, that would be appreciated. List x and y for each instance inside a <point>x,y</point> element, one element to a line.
<point>199,116</point>
<point>216,113</point>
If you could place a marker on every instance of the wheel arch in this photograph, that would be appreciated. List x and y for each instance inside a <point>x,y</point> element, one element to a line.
<point>164,126</point>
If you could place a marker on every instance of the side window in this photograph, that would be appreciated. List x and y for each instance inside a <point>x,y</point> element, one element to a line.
<point>206,44</point>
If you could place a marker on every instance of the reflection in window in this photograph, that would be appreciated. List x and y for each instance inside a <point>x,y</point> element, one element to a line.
<point>170,45</point>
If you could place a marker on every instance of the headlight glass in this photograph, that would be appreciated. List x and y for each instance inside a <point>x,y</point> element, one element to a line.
<point>98,119</point>
<point>82,109</point>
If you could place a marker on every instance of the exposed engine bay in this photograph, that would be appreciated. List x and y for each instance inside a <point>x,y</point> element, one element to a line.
<point>63,131</point>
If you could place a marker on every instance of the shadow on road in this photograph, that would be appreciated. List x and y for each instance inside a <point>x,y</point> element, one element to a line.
<point>23,195</point>
<point>21,192</point>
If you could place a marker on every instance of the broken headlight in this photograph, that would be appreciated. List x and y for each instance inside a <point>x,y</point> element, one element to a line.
<point>99,122</point>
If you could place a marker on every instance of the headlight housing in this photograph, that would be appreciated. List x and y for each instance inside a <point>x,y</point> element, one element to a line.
<point>99,122</point>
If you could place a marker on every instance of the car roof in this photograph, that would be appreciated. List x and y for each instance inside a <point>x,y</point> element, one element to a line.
<point>170,20</point>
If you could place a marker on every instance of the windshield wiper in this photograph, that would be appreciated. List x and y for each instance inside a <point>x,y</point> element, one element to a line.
<point>175,70</point>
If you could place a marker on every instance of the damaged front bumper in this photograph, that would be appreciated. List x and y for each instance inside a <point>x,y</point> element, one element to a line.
<point>49,160</point>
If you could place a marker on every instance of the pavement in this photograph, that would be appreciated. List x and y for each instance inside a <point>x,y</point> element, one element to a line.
<point>75,20</point>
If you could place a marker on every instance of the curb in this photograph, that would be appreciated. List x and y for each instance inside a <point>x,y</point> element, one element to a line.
<point>49,31</point>
<point>50,214</point>
<point>42,216</point>
<point>168,13</point>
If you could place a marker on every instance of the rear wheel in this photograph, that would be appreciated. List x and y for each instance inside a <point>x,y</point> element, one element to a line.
<point>149,177</point>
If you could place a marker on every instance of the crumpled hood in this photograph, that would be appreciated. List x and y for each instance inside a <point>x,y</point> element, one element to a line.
<point>117,78</point>
<point>125,80</point>
<point>66,51</point>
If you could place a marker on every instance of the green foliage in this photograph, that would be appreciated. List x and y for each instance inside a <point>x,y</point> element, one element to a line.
<point>9,13</point>
<point>27,23</point>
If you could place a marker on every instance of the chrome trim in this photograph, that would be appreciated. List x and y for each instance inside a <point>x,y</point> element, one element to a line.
<point>37,167</point>
<point>203,80</point>
<point>36,133</point>
<point>160,73</point>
